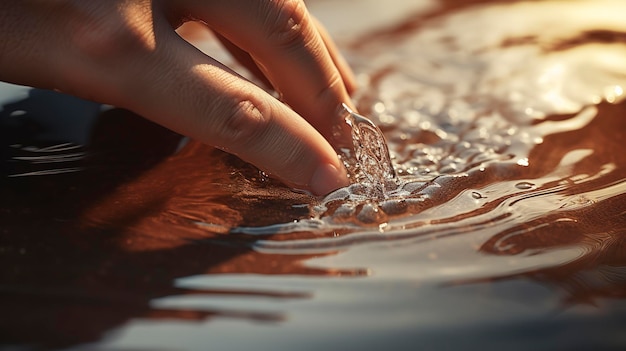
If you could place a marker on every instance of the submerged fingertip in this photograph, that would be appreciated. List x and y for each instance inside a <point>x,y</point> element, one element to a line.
<point>327,178</point>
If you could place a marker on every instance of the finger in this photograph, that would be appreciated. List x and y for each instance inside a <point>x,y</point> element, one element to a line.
<point>197,96</point>
<point>285,43</point>
<point>340,62</point>
<point>245,60</point>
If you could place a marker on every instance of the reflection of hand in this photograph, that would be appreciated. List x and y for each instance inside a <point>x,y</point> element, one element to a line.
<point>126,53</point>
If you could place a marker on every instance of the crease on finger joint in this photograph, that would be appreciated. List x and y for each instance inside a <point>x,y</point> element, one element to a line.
<point>241,124</point>
<point>286,22</point>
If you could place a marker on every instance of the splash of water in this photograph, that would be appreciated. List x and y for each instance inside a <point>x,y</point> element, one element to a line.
<point>370,150</point>
<point>376,191</point>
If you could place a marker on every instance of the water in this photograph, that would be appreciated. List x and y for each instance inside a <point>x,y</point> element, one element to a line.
<point>501,222</point>
<point>372,161</point>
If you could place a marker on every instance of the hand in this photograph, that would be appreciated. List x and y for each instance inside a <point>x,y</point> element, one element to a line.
<point>127,53</point>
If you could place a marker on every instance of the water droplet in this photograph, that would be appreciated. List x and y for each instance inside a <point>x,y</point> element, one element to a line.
<point>345,211</point>
<point>394,207</point>
<point>370,213</point>
<point>476,195</point>
<point>612,93</point>
<point>525,186</point>
<point>379,107</point>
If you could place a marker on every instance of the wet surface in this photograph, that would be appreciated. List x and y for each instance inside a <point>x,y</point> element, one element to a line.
<point>505,226</point>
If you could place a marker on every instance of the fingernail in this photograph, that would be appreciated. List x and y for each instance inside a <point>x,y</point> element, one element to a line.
<point>327,178</point>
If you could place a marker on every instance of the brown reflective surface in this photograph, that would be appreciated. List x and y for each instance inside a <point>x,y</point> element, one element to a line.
<point>507,229</point>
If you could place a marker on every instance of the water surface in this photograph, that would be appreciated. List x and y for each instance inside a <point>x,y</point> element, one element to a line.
<point>505,227</point>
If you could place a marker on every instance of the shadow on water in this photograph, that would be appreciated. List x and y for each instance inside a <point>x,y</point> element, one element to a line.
<point>84,249</point>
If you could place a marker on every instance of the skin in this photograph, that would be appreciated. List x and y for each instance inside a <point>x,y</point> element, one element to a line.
<point>127,53</point>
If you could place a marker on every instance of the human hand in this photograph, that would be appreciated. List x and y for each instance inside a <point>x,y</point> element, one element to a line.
<point>127,53</point>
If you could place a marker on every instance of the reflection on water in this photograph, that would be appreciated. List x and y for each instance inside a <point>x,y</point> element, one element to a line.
<point>506,226</point>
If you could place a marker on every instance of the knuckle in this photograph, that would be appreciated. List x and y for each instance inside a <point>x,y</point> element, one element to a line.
<point>330,88</point>
<point>285,22</point>
<point>238,125</point>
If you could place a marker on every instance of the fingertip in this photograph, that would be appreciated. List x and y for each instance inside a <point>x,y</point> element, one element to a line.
<point>326,178</point>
